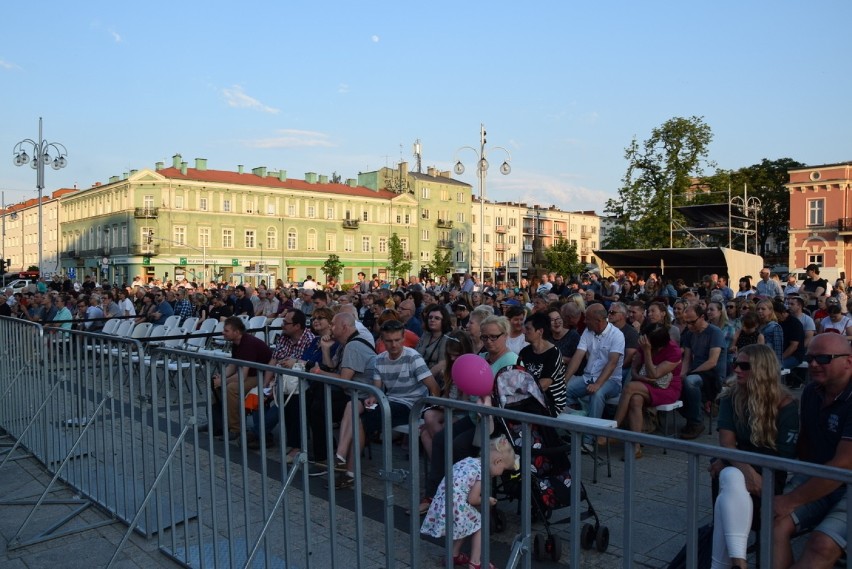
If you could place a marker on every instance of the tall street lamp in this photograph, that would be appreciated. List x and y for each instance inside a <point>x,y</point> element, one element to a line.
<point>481,171</point>
<point>43,152</point>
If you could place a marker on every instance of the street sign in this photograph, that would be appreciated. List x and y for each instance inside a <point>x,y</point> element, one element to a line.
<point>182,261</point>
<point>146,260</point>
<point>235,262</point>
<point>72,273</point>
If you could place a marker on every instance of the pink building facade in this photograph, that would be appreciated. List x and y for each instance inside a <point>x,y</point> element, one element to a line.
<point>821,216</point>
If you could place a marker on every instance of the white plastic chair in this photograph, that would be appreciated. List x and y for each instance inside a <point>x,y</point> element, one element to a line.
<point>172,322</point>
<point>189,324</point>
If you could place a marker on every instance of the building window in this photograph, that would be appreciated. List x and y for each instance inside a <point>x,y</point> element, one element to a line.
<point>424,235</point>
<point>348,243</point>
<point>513,222</point>
<point>204,236</point>
<point>249,206</point>
<point>272,239</point>
<point>815,258</point>
<point>311,243</point>
<point>312,211</point>
<point>459,257</point>
<point>365,215</point>
<point>424,214</point>
<point>383,244</point>
<point>424,193</point>
<point>445,195</point>
<point>366,244</point>
<point>816,212</point>
<point>408,219</point>
<point>179,233</point>
<point>178,202</point>
<point>329,212</point>
<point>331,241</point>
<point>228,238</point>
<point>226,205</point>
<point>250,239</point>
<point>460,197</point>
<point>292,242</point>
<point>460,216</point>
<point>460,236</point>
<point>202,204</point>
<point>270,207</point>
<point>404,243</point>
<point>291,210</point>
<point>398,219</point>
<point>148,202</point>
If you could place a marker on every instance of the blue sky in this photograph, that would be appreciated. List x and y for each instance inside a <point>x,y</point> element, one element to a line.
<point>348,87</point>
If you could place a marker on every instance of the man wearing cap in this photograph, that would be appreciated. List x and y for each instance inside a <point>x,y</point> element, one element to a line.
<point>768,287</point>
<point>794,336</point>
<point>813,285</point>
<point>836,321</point>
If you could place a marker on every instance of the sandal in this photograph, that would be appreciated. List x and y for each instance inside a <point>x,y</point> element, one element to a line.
<point>424,507</point>
<point>461,559</point>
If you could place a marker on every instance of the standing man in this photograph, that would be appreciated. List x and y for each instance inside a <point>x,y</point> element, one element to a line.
<point>247,348</point>
<point>601,379</point>
<point>767,287</point>
<point>705,355</point>
<point>363,284</point>
<point>825,438</point>
<point>814,286</point>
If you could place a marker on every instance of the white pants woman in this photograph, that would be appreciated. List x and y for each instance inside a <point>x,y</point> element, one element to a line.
<point>732,518</point>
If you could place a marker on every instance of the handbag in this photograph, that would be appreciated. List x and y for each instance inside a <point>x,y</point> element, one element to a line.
<point>664,381</point>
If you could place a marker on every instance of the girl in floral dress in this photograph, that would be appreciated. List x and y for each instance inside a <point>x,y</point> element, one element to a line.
<point>467,497</point>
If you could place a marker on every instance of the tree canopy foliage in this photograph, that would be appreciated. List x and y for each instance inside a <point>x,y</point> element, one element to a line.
<point>332,267</point>
<point>562,259</point>
<point>660,172</point>
<point>398,266</point>
<point>442,262</point>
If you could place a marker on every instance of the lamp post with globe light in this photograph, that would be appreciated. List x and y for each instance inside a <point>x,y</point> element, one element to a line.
<point>43,152</point>
<point>481,171</point>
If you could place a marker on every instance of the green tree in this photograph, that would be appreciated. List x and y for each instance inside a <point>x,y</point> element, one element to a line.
<point>442,262</point>
<point>398,266</point>
<point>332,267</point>
<point>660,171</point>
<point>562,259</point>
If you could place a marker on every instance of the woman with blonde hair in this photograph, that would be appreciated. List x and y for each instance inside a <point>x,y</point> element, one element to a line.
<point>756,415</point>
<point>767,324</point>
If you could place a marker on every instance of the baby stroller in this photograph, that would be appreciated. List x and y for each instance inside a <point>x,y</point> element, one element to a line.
<point>550,471</point>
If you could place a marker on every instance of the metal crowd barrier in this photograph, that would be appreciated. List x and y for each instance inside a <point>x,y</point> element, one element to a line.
<point>118,421</point>
<point>521,553</point>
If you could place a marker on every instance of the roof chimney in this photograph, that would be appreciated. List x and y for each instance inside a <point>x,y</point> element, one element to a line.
<point>176,160</point>
<point>311,177</point>
<point>403,170</point>
<point>282,175</point>
<point>158,166</point>
<point>351,182</point>
<point>239,168</point>
<point>323,179</point>
<point>201,164</point>
<point>183,168</point>
<point>259,171</point>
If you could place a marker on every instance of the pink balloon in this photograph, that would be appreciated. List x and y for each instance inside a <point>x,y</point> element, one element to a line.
<point>472,374</point>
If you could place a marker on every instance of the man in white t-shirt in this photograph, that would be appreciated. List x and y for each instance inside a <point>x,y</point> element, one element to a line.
<point>601,380</point>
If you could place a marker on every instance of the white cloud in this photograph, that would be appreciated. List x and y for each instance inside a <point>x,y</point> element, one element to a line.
<point>343,88</point>
<point>115,35</point>
<point>375,38</point>
<point>236,97</point>
<point>7,65</point>
<point>292,138</point>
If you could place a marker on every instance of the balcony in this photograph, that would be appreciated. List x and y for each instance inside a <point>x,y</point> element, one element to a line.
<point>585,235</point>
<point>146,212</point>
<point>350,224</point>
<point>585,250</point>
<point>499,246</point>
<point>528,247</point>
<point>844,226</point>
<point>444,224</point>
<point>69,254</point>
<point>500,229</point>
<point>528,229</point>
<point>146,250</point>
<point>445,244</point>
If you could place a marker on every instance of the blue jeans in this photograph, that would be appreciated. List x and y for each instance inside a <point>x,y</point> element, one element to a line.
<point>790,362</point>
<point>690,393</point>
<point>576,390</point>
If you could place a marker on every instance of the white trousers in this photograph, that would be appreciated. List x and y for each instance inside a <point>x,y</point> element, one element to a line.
<point>731,518</point>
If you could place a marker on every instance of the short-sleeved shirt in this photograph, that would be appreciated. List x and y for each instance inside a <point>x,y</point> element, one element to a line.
<point>840,326</point>
<point>251,349</point>
<point>598,347</point>
<point>822,428</point>
<point>700,346</point>
<point>631,339</point>
<point>359,357</point>
<point>787,423</point>
<point>403,377</point>
<point>547,364</point>
<point>794,332</point>
<point>807,323</point>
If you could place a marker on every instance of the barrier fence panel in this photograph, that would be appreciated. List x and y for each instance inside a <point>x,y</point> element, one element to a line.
<point>525,545</point>
<point>248,508</point>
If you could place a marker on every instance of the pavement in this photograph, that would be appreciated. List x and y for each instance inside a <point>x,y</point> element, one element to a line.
<point>92,536</point>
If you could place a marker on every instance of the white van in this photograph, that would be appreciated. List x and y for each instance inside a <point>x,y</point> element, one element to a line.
<point>831,274</point>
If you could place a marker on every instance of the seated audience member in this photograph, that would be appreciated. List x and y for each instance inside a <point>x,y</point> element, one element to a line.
<point>794,336</point>
<point>705,359</point>
<point>825,437</point>
<point>411,339</point>
<point>601,380</point>
<point>757,415</point>
<point>544,362</point>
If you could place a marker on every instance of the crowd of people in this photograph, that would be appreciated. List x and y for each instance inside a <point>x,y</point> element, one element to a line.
<point>587,341</point>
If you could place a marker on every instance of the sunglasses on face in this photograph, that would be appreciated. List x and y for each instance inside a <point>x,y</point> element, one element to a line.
<point>745,366</point>
<point>823,359</point>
